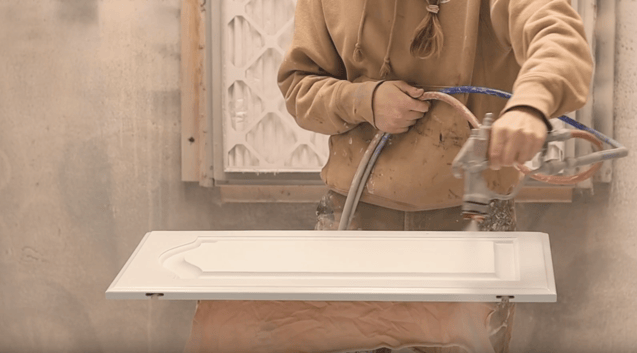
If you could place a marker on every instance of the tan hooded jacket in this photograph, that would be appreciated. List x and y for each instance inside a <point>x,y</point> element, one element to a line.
<point>342,50</point>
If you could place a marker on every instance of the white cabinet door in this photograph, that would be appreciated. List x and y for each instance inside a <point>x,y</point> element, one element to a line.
<point>339,265</point>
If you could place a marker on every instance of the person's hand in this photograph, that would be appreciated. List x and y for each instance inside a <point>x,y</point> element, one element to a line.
<point>516,137</point>
<point>397,107</point>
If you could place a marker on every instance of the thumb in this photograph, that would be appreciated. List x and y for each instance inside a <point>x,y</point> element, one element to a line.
<point>413,92</point>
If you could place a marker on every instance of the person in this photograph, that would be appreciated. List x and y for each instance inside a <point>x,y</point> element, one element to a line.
<point>358,67</point>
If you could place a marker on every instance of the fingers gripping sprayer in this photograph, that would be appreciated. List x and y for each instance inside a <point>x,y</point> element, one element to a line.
<point>472,161</point>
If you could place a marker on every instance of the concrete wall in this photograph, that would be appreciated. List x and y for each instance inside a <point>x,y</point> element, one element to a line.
<point>89,161</point>
<point>593,241</point>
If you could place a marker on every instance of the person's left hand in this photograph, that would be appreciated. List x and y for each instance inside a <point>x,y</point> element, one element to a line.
<point>516,137</point>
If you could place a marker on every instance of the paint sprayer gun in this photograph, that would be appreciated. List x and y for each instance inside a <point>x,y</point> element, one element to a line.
<point>472,161</point>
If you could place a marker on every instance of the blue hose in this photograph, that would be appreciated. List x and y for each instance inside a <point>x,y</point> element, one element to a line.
<point>507,95</point>
<point>479,90</point>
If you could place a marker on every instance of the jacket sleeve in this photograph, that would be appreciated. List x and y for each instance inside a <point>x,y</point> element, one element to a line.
<point>312,78</point>
<point>549,43</point>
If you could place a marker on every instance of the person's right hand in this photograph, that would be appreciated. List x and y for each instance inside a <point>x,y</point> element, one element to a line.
<point>397,107</point>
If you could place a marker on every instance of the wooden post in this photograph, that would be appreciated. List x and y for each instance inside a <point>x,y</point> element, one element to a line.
<point>193,102</point>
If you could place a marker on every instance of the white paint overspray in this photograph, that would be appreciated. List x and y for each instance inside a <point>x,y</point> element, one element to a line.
<point>370,185</point>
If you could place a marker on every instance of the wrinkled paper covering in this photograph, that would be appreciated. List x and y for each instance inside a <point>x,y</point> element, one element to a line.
<point>322,327</point>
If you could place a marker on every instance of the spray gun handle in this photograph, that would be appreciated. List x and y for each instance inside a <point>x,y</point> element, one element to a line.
<point>473,155</point>
<point>481,148</point>
<point>470,162</point>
